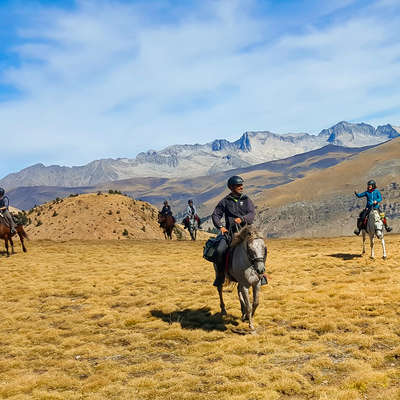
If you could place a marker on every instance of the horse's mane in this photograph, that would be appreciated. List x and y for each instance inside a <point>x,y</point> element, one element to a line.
<point>248,233</point>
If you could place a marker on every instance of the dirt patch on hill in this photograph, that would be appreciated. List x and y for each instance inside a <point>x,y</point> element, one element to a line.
<point>97,217</point>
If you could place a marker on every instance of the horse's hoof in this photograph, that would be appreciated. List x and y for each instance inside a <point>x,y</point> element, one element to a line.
<point>372,258</point>
<point>252,329</point>
<point>384,257</point>
<point>223,312</point>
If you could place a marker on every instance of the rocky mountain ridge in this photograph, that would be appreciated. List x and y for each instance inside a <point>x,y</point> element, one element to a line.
<point>181,161</point>
<point>201,189</point>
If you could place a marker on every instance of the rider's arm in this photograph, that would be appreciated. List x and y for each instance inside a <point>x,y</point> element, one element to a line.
<point>363,194</point>
<point>218,214</point>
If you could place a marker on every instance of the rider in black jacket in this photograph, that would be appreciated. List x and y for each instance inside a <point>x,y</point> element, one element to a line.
<point>239,211</point>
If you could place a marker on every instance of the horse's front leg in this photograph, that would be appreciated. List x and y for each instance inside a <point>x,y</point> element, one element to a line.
<point>242,304</point>
<point>12,246</point>
<point>384,248</point>
<point>248,306</point>
<point>21,238</point>
<point>363,238</point>
<point>256,297</point>
<point>6,244</point>
<point>371,242</point>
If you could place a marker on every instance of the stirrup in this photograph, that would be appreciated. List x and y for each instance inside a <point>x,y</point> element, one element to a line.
<point>356,232</point>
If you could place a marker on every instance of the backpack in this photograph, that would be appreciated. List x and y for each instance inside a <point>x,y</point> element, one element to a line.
<point>210,249</point>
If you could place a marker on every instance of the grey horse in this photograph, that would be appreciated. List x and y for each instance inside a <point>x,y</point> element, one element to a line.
<point>192,227</point>
<point>249,253</point>
<point>374,228</point>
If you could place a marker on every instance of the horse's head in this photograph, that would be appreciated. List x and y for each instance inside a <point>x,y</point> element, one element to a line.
<point>256,247</point>
<point>378,224</point>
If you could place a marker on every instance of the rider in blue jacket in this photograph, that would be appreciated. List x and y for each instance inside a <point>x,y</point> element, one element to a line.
<point>374,197</point>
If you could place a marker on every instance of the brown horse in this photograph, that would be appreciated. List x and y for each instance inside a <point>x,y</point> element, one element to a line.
<point>167,222</point>
<point>5,234</point>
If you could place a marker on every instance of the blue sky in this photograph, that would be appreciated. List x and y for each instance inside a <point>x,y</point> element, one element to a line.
<point>82,80</point>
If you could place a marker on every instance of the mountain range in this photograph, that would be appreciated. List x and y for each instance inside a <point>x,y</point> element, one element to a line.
<point>187,161</point>
<point>204,190</point>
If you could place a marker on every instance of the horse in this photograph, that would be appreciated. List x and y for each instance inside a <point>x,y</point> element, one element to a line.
<point>167,222</point>
<point>192,227</point>
<point>5,234</point>
<point>248,253</point>
<point>374,228</point>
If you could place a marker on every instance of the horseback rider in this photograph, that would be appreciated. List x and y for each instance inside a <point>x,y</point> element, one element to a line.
<point>4,204</point>
<point>191,213</point>
<point>166,210</point>
<point>374,197</point>
<point>239,211</point>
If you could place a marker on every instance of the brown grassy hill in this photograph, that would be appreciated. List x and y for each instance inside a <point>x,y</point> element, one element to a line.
<point>323,203</point>
<point>97,217</point>
<point>381,163</point>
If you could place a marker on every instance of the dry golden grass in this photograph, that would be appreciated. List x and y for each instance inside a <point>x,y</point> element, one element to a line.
<point>139,320</point>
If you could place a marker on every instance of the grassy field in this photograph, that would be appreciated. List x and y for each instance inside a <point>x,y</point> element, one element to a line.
<point>139,320</point>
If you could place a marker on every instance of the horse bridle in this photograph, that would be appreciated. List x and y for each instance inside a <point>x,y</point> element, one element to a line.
<point>253,260</point>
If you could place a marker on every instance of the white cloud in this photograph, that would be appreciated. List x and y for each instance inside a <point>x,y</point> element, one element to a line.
<point>104,80</point>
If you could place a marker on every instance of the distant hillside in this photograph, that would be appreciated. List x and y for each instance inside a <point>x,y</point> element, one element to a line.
<point>187,161</point>
<point>97,217</point>
<point>323,203</point>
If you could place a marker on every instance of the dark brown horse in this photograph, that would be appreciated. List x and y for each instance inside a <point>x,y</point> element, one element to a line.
<point>5,234</point>
<point>167,223</point>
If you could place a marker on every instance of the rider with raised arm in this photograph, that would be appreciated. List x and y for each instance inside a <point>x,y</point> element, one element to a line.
<point>191,213</point>
<point>374,197</point>
<point>4,204</point>
<point>239,211</point>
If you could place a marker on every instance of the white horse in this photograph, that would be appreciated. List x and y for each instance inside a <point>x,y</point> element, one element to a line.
<point>248,266</point>
<point>374,228</point>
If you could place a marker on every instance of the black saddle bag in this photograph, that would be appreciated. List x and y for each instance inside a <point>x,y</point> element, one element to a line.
<point>210,249</point>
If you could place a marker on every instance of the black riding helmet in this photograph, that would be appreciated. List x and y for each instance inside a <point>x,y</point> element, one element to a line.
<point>235,180</point>
<point>371,183</point>
<point>190,201</point>
<point>165,202</point>
<point>2,191</point>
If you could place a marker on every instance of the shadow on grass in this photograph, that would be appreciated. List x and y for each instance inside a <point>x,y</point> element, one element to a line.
<point>201,318</point>
<point>345,256</point>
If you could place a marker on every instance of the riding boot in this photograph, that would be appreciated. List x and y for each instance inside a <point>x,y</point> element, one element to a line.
<point>388,228</point>
<point>359,226</point>
<point>219,275</point>
<point>264,280</point>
